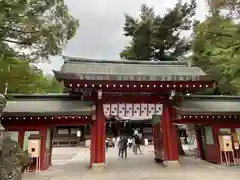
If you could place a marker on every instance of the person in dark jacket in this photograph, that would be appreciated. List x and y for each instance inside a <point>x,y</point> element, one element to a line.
<point>122,145</point>
<point>137,144</point>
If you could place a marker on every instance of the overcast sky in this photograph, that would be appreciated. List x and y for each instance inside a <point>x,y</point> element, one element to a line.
<point>100,34</point>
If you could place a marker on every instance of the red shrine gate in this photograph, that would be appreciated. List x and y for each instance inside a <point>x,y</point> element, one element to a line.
<point>105,88</point>
<point>130,88</point>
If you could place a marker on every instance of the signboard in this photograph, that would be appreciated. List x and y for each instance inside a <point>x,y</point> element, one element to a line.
<point>227,138</point>
<point>34,142</point>
<point>88,143</point>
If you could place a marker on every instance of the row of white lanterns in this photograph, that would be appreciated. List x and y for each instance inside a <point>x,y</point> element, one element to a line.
<point>79,117</point>
<point>142,86</point>
<point>60,117</point>
<point>189,117</point>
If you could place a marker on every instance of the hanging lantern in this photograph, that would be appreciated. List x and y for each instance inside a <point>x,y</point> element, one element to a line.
<point>110,124</point>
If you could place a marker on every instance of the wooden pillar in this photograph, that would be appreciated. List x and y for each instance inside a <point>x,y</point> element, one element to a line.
<point>93,144</point>
<point>215,131</point>
<point>51,146</point>
<point>21,137</point>
<point>169,135</point>
<point>98,131</point>
<point>101,133</point>
<point>43,133</point>
<point>157,143</point>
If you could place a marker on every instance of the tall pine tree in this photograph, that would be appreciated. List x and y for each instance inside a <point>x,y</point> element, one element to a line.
<point>155,37</point>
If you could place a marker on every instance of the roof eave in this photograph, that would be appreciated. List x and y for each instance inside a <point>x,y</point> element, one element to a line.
<point>36,114</point>
<point>60,75</point>
<point>207,113</point>
<point>218,97</point>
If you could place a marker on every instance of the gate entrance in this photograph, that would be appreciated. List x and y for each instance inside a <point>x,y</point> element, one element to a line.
<point>132,88</point>
<point>125,89</point>
<point>99,89</point>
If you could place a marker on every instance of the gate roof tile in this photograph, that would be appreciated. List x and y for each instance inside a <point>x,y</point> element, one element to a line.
<point>80,68</point>
<point>209,105</point>
<point>44,105</point>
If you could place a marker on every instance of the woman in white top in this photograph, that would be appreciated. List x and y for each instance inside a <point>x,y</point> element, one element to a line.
<point>130,142</point>
<point>114,142</point>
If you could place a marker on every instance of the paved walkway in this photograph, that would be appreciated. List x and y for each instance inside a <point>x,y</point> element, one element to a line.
<point>72,163</point>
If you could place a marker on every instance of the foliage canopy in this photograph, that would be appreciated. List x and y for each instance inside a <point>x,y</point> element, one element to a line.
<point>37,28</point>
<point>216,48</point>
<point>155,37</point>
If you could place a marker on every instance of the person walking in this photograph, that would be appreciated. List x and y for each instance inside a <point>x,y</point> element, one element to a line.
<point>130,142</point>
<point>122,145</point>
<point>106,143</point>
<point>137,144</point>
<point>114,141</point>
<point>134,145</point>
<point>119,145</point>
<point>78,137</point>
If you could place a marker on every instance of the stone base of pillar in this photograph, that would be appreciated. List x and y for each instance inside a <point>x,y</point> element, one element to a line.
<point>98,166</point>
<point>172,163</point>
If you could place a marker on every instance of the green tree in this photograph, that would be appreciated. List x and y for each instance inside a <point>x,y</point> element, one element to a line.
<point>216,49</point>
<point>158,38</point>
<point>36,28</point>
<point>29,31</point>
<point>20,76</point>
<point>49,84</point>
<point>225,8</point>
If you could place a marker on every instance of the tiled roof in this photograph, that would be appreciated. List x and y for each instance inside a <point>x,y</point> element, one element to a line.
<point>30,106</point>
<point>209,105</point>
<point>79,68</point>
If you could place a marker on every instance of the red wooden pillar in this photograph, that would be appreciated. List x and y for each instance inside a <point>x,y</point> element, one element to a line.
<point>215,131</point>
<point>93,143</point>
<point>51,146</point>
<point>169,135</point>
<point>43,133</point>
<point>98,136</point>
<point>21,137</point>
<point>174,143</point>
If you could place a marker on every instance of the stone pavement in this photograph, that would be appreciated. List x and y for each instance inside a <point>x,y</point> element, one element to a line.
<point>72,163</point>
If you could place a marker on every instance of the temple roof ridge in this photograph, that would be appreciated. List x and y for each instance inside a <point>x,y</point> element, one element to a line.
<point>129,70</point>
<point>145,62</point>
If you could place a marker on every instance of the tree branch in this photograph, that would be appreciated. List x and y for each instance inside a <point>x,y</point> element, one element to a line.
<point>19,31</point>
<point>17,42</point>
<point>221,34</point>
